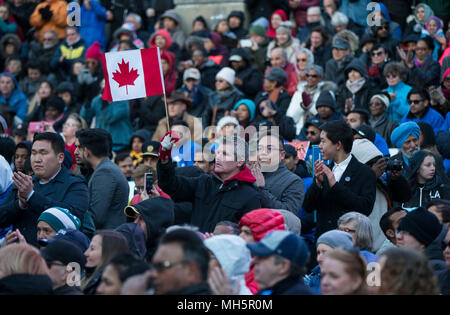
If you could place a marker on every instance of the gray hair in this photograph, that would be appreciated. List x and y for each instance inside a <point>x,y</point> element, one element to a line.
<point>54,34</point>
<point>311,9</point>
<point>363,226</point>
<point>240,147</point>
<point>339,19</point>
<point>283,52</point>
<point>309,55</point>
<point>136,16</point>
<point>316,68</point>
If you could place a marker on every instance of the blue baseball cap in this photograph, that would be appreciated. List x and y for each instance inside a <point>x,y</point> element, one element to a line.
<point>283,243</point>
<point>73,236</point>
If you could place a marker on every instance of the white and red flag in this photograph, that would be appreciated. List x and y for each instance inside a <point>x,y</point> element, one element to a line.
<point>132,74</point>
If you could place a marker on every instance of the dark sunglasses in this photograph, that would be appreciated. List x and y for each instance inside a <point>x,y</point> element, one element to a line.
<point>312,133</point>
<point>375,54</point>
<point>312,75</point>
<point>416,102</point>
<point>303,60</point>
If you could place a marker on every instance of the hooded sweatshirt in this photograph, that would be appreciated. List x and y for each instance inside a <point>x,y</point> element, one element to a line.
<point>16,100</point>
<point>260,221</point>
<point>158,214</point>
<point>233,256</point>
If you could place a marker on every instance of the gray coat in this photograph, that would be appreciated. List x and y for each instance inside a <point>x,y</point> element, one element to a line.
<point>108,195</point>
<point>384,127</point>
<point>283,190</point>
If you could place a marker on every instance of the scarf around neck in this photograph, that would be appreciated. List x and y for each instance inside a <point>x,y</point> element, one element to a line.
<point>354,87</point>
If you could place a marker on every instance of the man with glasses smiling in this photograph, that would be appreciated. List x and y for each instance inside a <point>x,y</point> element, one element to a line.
<point>421,111</point>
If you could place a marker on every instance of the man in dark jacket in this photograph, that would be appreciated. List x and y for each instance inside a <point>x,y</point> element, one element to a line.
<point>279,188</point>
<point>347,185</point>
<point>248,79</point>
<point>193,89</point>
<point>181,264</point>
<point>279,261</point>
<point>226,195</point>
<point>326,111</point>
<point>108,187</point>
<point>334,68</point>
<point>236,21</point>
<point>51,186</point>
<point>208,68</point>
<point>58,255</point>
<point>153,216</point>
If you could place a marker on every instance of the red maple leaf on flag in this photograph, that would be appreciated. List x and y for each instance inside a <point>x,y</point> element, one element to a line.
<point>124,76</point>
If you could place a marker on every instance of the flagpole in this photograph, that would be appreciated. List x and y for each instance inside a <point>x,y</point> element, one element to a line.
<point>167,113</point>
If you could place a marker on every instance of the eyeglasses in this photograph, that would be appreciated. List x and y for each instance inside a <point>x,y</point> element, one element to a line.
<point>70,125</point>
<point>445,244</point>
<point>391,75</point>
<point>347,230</point>
<point>312,75</point>
<point>447,79</point>
<point>161,266</point>
<point>312,133</point>
<point>375,54</point>
<point>414,101</point>
<point>302,60</point>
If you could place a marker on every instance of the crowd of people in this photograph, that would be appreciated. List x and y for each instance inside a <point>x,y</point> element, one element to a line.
<point>301,143</point>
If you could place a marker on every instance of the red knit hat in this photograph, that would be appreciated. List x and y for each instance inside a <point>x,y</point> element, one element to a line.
<point>94,52</point>
<point>262,221</point>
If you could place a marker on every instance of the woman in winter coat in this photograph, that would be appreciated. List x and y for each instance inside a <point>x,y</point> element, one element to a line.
<point>277,17</point>
<point>254,226</point>
<point>223,99</point>
<point>357,91</point>
<point>395,73</point>
<point>433,28</point>
<point>425,181</point>
<point>284,39</point>
<point>168,68</point>
<point>114,117</point>
<point>317,43</point>
<point>416,22</point>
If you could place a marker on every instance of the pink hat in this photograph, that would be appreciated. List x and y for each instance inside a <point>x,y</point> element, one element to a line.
<point>94,52</point>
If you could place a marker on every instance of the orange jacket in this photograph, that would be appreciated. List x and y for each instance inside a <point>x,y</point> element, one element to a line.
<point>58,22</point>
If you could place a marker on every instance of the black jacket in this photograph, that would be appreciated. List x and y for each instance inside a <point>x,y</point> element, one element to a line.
<point>68,290</point>
<point>208,72</point>
<point>288,286</point>
<point>212,199</point>
<point>258,8</point>
<point>283,101</point>
<point>354,192</point>
<point>65,190</point>
<point>361,98</point>
<point>425,76</point>
<point>196,289</point>
<point>25,284</point>
<point>151,110</point>
<point>252,81</point>
<point>334,71</point>
<point>158,215</point>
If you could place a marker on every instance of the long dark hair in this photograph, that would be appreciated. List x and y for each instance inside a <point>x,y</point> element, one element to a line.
<point>113,243</point>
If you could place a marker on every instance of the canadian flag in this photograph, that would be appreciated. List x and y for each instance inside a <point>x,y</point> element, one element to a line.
<point>132,74</point>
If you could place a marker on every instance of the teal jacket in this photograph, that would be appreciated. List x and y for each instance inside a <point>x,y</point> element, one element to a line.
<point>114,118</point>
<point>398,107</point>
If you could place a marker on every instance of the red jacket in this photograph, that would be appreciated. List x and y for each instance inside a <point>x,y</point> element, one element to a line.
<point>260,222</point>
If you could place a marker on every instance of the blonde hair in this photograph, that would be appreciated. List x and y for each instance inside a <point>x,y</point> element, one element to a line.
<point>21,258</point>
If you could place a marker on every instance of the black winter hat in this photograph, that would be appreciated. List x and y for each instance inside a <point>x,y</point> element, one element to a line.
<point>357,65</point>
<point>238,14</point>
<point>421,224</point>
<point>326,99</point>
<point>443,144</point>
<point>366,132</point>
<point>63,251</point>
<point>65,87</point>
<point>241,52</point>
<point>56,102</point>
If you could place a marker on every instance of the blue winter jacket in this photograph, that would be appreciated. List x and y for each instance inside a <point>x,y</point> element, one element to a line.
<point>381,145</point>
<point>398,107</point>
<point>357,11</point>
<point>431,117</point>
<point>114,118</point>
<point>93,24</point>
<point>17,100</point>
<point>446,125</point>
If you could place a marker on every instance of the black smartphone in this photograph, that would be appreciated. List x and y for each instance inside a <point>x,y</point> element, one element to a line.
<point>148,183</point>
